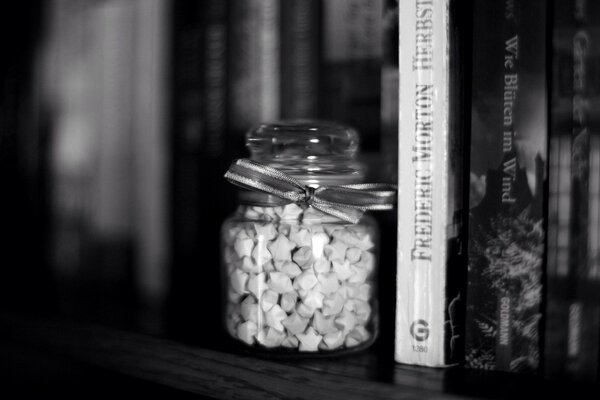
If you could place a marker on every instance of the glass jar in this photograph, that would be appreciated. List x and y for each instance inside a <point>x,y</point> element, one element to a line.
<point>298,280</point>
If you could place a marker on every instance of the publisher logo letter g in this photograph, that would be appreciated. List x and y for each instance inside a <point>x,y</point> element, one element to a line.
<point>419,330</point>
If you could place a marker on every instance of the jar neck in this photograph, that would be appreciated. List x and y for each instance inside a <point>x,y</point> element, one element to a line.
<point>259,199</point>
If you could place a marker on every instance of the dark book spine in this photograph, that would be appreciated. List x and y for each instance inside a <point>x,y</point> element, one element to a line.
<point>508,172</point>
<point>390,82</point>
<point>255,79</point>
<point>559,192</point>
<point>351,57</point>
<point>583,324</point>
<point>24,204</point>
<point>198,153</point>
<point>300,40</point>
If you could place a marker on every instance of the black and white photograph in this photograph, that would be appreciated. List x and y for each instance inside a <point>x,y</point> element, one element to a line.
<point>300,199</point>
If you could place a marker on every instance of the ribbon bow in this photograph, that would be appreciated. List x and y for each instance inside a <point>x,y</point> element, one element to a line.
<point>347,202</point>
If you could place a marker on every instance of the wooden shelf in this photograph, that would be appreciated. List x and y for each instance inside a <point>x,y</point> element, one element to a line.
<point>142,363</point>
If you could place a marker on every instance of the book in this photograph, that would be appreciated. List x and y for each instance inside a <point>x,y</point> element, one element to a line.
<point>584,309</point>
<point>508,158</point>
<point>390,84</point>
<point>150,151</point>
<point>430,268</point>
<point>351,58</point>
<point>300,46</point>
<point>201,148</point>
<point>23,161</point>
<point>255,76</point>
<point>559,189</point>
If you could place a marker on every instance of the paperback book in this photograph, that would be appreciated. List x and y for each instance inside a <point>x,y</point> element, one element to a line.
<point>430,273</point>
<point>507,178</point>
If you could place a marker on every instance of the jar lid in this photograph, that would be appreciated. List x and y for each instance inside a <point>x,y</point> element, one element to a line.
<point>316,152</point>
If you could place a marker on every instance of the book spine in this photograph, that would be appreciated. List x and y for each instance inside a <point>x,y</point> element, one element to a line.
<point>255,76</point>
<point>390,83</point>
<point>150,151</point>
<point>508,173</point>
<point>352,50</point>
<point>559,187</point>
<point>427,308</point>
<point>201,149</point>
<point>584,314</point>
<point>299,58</point>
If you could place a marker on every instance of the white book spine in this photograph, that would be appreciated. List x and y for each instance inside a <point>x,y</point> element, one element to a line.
<point>423,176</point>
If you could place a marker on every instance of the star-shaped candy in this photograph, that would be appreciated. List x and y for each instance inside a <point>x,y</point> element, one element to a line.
<point>304,311</point>
<point>336,250</point>
<point>309,341</point>
<point>301,236</point>
<point>251,213</point>
<point>348,290</point>
<point>322,265</point>
<point>359,275</point>
<point>303,257</point>
<point>313,298</point>
<point>357,237</point>
<point>317,228</point>
<point>243,246</point>
<point>247,264</point>
<point>268,300</point>
<point>290,342</point>
<point>352,341</point>
<point>367,261</point>
<point>329,282</point>
<point>290,211</point>
<point>232,321</point>
<point>268,266</point>
<point>281,248</point>
<point>364,292</point>
<point>233,296</point>
<point>290,268</point>
<point>331,229</point>
<point>275,316</point>
<point>238,280</point>
<point>333,304</point>
<point>257,284</point>
<point>333,340</point>
<point>357,336</point>
<point>270,337</point>
<point>288,301</point>
<point>346,321</point>
<point>284,229</point>
<point>260,254</point>
<point>269,213</point>
<point>322,324</point>
<point>295,324</point>
<point>246,331</point>
<point>342,269</point>
<point>232,233</point>
<point>306,280</point>
<point>361,332</point>
<point>249,309</point>
<point>230,256</point>
<point>362,310</point>
<point>266,231</point>
<point>353,254</point>
<point>280,282</point>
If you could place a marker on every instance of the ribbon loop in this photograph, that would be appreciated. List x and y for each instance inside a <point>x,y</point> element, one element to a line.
<point>347,202</point>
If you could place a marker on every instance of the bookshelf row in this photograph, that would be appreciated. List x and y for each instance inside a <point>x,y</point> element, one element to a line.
<point>119,119</point>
